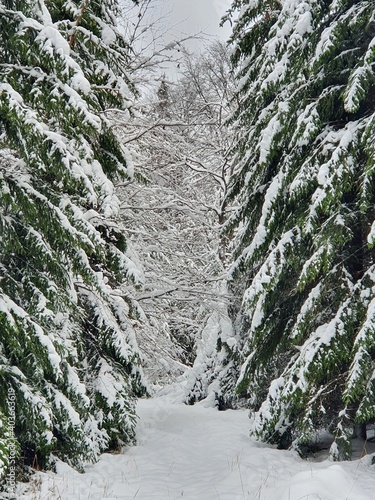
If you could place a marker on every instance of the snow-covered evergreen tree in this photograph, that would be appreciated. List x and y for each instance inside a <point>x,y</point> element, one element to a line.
<point>67,345</point>
<point>304,228</point>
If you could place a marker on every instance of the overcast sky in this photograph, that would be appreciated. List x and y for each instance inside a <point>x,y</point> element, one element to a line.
<point>182,18</point>
<point>193,16</point>
<point>173,20</point>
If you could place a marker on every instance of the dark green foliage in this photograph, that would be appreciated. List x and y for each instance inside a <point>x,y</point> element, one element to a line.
<point>66,342</point>
<point>303,182</point>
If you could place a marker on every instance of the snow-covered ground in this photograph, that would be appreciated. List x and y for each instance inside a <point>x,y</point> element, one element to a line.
<point>199,453</point>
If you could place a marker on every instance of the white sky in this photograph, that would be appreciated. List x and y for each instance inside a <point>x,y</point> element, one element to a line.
<point>181,18</point>
<point>193,16</point>
<point>174,20</point>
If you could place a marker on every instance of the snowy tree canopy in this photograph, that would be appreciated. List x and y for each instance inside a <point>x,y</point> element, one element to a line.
<point>82,272</point>
<point>174,212</point>
<point>303,229</point>
<point>67,345</point>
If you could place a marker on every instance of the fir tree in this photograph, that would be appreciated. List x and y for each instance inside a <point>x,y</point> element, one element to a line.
<point>163,104</point>
<point>67,346</point>
<point>304,227</point>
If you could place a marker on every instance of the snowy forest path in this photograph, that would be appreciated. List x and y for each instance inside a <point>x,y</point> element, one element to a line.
<point>198,453</point>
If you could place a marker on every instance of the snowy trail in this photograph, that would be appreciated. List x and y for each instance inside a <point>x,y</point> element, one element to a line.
<point>198,453</point>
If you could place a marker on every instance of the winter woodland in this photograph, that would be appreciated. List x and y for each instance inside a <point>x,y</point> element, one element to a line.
<point>201,242</point>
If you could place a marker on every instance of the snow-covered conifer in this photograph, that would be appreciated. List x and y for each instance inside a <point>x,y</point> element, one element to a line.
<point>67,346</point>
<point>304,227</point>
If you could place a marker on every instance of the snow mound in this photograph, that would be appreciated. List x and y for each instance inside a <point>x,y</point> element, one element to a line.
<point>199,453</point>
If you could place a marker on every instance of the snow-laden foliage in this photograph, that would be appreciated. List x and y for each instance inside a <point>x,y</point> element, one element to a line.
<point>67,345</point>
<point>174,208</point>
<point>215,369</point>
<point>304,228</point>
